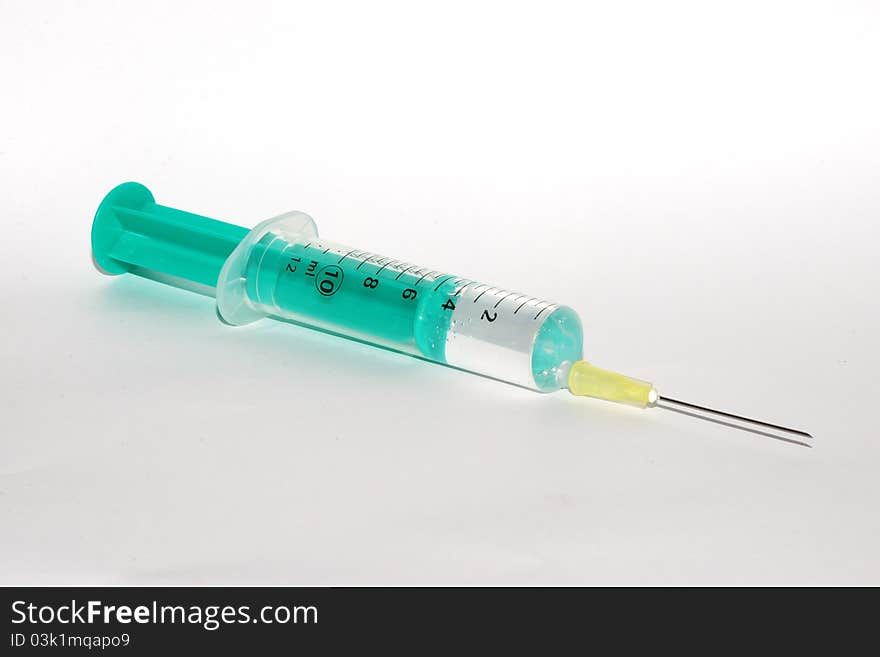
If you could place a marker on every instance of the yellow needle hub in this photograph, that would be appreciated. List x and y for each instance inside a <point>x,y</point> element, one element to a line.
<point>587,380</point>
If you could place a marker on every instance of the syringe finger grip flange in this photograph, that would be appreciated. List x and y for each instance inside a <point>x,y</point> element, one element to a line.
<point>233,304</point>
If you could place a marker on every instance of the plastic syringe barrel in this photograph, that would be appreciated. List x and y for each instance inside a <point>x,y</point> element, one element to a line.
<point>282,269</point>
<point>132,231</point>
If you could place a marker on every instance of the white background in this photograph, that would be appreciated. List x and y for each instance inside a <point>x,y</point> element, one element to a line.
<point>701,181</point>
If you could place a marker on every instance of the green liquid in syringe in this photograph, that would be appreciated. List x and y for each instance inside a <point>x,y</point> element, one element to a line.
<point>370,297</point>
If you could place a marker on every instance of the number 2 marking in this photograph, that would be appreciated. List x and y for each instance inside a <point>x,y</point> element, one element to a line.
<point>489,317</point>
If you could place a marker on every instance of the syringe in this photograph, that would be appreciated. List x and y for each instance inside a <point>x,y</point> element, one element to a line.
<point>282,269</point>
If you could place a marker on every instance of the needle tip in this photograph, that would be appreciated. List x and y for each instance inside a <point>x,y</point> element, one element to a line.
<point>785,434</point>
